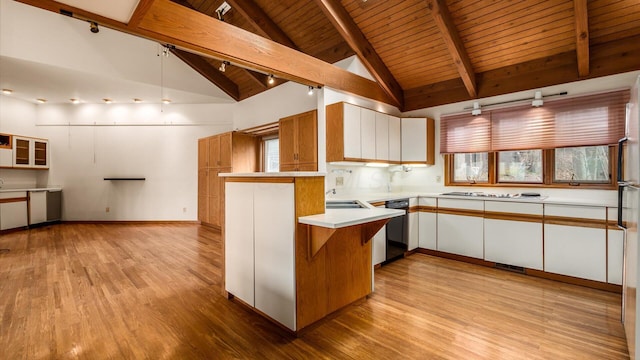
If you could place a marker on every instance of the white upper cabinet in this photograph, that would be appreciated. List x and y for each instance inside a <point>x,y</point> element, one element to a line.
<point>418,137</point>
<point>352,135</point>
<point>30,153</point>
<point>382,136</point>
<point>395,143</point>
<point>368,134</point>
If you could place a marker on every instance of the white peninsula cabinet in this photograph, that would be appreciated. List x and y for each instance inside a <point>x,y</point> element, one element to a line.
<point>513,233</point>
<point>461,227</point>
<point>13,210</point>
<point>428,219</point>
<point>259,253</point>
<point>575,241</point>
<point>379,247</point>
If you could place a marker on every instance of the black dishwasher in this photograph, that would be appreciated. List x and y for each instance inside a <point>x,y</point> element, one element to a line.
<point>397,231</point>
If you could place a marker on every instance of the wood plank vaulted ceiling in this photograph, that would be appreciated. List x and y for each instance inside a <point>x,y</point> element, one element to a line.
<point>422,53</point>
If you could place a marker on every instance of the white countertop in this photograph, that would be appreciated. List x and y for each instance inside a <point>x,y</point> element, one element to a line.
<point>12,188</point>
<point>274,174</point>
<point>378,197</point>
<point>339,218</point>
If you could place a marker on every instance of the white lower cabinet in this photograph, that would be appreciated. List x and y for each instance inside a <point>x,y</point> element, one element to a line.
<point>427,228</point>
<point>513,242</point>
<point>575,251</point>
<point>461,234</point>
<point>37,207</point>
<point>615,244</point>
<point>379,248</point>
<point>259,247</point>
<point>13,214</point>
<point>516,243</point>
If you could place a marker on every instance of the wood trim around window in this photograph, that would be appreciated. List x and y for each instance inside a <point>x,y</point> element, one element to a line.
<point>548,161</point>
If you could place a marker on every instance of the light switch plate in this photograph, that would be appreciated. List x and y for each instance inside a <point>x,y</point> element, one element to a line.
<point>339,181</point>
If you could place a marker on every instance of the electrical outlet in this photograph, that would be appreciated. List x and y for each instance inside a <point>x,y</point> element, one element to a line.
<point>184,210</point>
<point>107,209</point>
<point>438,178</point>
<point>339,181</point>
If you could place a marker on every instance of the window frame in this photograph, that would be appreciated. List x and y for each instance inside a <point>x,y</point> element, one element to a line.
<point>263,153</point>
<point>548,168</point>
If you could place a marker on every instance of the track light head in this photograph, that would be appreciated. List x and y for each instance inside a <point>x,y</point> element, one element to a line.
<point>93,26</point>
<point>476,109</point>
<point>223,66</point>
<point>537,100</point>
<point>310,92</point>
<point>271,79</point>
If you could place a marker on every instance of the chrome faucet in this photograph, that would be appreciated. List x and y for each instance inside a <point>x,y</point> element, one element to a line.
<point>332,191</point>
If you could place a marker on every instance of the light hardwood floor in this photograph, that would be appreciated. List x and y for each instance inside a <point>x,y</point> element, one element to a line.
<point>95,291</point>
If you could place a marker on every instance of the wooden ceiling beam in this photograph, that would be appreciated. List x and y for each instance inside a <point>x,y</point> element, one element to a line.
<point>452,40</point>
<point>188,29</point>
<point>582,36</point>
<point>614,57</point>
<point>209,72</point>
<point>261,22</point>
<point>352,34</point>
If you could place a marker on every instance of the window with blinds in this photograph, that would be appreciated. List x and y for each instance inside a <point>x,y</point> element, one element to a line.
<point>579,121</point>
<point>572,140</point>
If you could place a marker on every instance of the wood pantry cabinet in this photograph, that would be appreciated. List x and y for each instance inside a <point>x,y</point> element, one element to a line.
<point>222,153</point>
<point>298,138</point>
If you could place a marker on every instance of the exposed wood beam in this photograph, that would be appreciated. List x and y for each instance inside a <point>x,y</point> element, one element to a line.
<point>196,32</point>
<point>614,57</point>
<point>352,34</point>
<point>257,78</point>
<point>209,72</point>
<point>452,40</point>
<point>261,22</point>
<point>582,36</point>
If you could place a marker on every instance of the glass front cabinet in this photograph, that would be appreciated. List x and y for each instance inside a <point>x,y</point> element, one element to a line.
<point>30,153</point>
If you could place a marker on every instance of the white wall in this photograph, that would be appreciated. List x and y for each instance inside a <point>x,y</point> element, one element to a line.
<point>82,154</point>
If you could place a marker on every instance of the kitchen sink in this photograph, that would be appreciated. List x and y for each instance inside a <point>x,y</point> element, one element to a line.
<point>344,204</point>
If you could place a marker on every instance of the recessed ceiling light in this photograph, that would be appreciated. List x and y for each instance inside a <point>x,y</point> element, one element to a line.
<point>107,101</point>
<point>74,101</point>
<point>41,101</point>
<point>7,91</point>
<point>166,101</point>
<point>137,101</point>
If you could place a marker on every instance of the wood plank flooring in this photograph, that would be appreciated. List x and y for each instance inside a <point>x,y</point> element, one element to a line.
<point>96,291</point>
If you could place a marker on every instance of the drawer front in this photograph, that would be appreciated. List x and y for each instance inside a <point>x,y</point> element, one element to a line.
<point>576,211</point>
<point>461,204</point>
<point>428,201</point>
<point>513,207</point>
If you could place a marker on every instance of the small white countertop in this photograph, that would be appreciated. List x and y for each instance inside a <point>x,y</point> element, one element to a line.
<point>12,188</point>
<point>274,174</point>
<point>339,218</point>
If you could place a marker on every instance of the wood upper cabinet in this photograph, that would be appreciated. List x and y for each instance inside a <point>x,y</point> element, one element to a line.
<point>418,141</point>
<point>298,138</point>
<point>222,153</point>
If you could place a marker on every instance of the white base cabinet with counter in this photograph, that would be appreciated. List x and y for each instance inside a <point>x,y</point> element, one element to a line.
<point>13,210</point>
<point>260,267</point>
<point>413,224</point>
<point>576,250</point>
<point>513,242</point>
<point>428,220</point>
<point>37,207</point>
<point>379,247</point>
<point>461,227</point>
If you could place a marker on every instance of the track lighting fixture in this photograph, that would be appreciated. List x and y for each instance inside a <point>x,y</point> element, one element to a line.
<point>476,109</point>
<point>93,26</point>
<point>223,66</point>
<point>310,92</point>
<point>166,101</point>
<point>222,9</point>
<point>537,100</point>
<point>271,79</point>
<point>7,91</point>
<point>137,101</point>
<point>74,101</point>
<point>107,101</point>
<point>41,101</point>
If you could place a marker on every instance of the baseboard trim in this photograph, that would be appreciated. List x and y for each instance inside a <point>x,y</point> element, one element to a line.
<point>531,272</point>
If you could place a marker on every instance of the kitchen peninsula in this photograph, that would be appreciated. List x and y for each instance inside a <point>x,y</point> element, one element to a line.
<point>286,256</point>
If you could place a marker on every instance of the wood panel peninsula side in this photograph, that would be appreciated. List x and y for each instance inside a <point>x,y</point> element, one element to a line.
<point>287,257</point>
